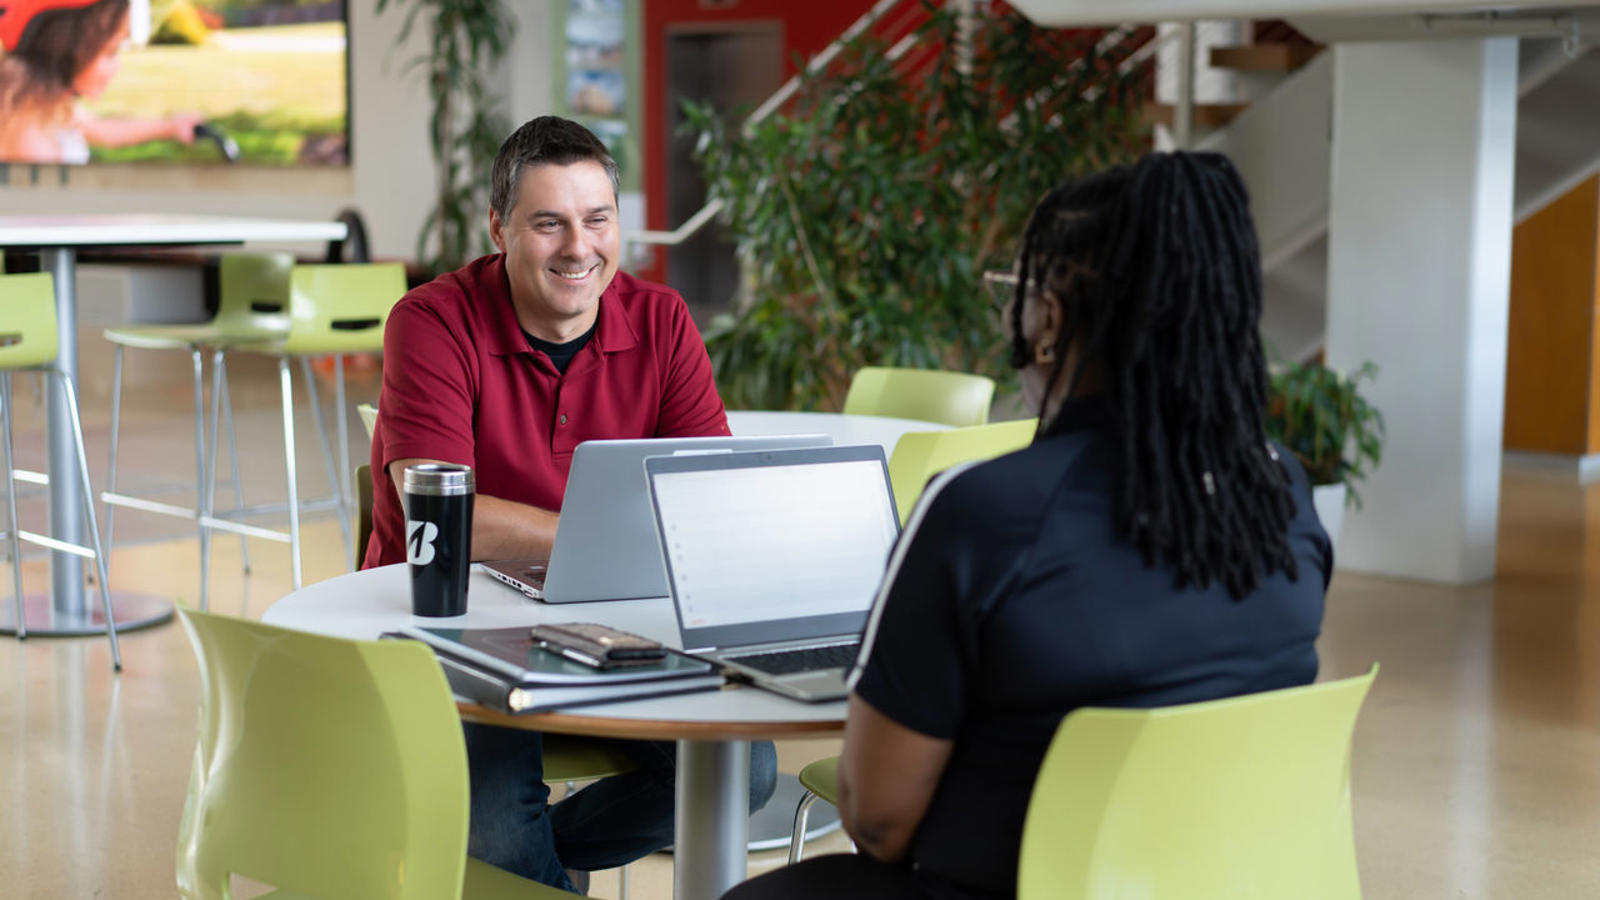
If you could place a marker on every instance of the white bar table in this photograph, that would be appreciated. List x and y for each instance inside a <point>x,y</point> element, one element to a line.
<point>58,238</point>
<point>713,729</point>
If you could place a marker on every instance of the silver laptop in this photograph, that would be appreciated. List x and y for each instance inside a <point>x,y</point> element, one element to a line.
<point>605,546</point>
<point>774,558</point>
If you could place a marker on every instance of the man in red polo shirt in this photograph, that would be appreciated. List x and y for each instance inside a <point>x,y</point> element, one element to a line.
<point>510,362</point>
<point>506,365</point>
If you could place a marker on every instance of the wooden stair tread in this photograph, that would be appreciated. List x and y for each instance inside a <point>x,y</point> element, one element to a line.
<point>1206,115</point>
<point>1264,57</point>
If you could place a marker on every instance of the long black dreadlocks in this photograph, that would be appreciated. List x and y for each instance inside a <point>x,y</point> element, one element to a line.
<point>1159,277</point>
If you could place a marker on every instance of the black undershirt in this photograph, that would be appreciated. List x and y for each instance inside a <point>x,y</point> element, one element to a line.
<point>560,354</point>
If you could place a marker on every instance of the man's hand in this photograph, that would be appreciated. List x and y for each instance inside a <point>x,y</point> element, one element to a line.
<point>501,529</point>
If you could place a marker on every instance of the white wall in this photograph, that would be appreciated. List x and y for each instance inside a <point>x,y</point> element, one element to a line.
<point>390,180</point>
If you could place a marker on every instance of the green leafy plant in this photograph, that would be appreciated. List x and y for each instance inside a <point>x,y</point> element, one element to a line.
<point>468,39</point>
<point>1320,415</point>
<point>866,215</point>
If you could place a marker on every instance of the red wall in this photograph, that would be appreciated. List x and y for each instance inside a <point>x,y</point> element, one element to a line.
<point>807,28</point>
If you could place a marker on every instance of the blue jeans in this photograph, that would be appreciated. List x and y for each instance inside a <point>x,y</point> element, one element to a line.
<point>607,824</point>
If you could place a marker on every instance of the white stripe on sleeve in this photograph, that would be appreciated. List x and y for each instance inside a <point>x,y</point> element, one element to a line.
<point>918,512</point>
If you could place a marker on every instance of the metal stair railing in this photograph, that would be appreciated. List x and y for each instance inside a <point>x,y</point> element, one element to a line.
<point>779,97</point>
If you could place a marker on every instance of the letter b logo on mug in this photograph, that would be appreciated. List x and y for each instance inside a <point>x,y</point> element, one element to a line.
<point>419,541</point>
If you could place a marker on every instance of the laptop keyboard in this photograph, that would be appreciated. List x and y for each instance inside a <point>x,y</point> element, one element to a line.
<point>803,659</point>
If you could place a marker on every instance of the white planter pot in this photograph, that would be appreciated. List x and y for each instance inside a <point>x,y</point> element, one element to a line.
<point>1328,499</point>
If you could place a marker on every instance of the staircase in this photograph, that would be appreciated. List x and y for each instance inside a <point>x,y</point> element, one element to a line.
<point>1277,129</point>
<point>1282,145</point>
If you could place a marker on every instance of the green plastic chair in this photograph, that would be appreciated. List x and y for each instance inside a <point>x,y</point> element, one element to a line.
<point>1250,795</point>
<point>920,455</point>
<point>334,309</point>
<point>29,341</point>
<point>1246,798</point>
<point>327,768</point>
<point>821,781</point>
<point>253,308</point>
<point>949,398</point>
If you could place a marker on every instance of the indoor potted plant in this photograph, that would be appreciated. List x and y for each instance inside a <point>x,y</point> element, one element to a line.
<point>866,213</point>
<point>1319,414</point>
<point>467,40</point>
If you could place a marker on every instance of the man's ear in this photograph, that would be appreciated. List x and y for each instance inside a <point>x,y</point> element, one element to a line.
<point>497,230</point>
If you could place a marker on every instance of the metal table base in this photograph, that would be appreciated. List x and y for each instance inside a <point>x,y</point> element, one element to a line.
<point>713,818</point>
<point>132,610</point>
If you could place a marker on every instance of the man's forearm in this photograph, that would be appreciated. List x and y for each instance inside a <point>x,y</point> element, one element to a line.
<point>503,529</point>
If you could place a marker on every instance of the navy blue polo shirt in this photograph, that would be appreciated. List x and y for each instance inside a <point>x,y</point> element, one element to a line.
<point>1010,601</point>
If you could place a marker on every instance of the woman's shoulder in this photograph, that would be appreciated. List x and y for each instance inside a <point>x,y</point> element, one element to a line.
<point>1009,491</point>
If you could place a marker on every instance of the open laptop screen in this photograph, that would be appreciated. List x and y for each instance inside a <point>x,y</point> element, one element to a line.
<point>773,545</point>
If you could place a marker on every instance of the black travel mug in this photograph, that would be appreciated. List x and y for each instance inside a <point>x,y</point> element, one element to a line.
<point>439,537</point>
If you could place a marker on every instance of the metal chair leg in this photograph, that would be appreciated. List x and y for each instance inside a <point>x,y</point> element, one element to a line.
<point>11,505</point>
<point>88,511</point>
<point>208,499</point>
<point>341,417</point>
<point>802,815</point>
<point>116,421</point>
<point>334,481</point>
<point>287,385</point>
<point>219,369</point>
<point>201,508</point>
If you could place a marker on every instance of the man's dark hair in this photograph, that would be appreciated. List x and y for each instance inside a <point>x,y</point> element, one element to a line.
<point>547,140</point>
<point>1159,277</point>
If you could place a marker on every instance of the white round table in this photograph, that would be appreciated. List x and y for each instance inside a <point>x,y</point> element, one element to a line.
<point>713,729</point>
<point>881,430</point>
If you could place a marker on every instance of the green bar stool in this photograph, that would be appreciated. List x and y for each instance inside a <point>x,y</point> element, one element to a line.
<point>28,341</point>
<point>333,310</point>
<point>253,307</point>
<point>932,395</point>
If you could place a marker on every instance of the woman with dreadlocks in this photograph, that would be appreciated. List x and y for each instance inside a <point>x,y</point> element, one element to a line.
<point>1149,548</point>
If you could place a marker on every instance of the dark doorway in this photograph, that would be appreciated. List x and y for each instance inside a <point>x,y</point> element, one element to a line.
<point>734,68</point>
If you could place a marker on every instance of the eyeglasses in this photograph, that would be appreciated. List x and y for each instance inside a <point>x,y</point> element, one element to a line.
<point>1002,286</point>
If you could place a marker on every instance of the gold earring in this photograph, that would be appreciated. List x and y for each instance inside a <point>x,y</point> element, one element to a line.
<point>1045,353</point>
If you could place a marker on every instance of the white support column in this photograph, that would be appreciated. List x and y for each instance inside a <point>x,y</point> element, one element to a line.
<point>1419,262</point>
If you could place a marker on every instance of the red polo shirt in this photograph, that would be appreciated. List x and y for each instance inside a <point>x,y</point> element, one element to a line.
<point>461,384</point>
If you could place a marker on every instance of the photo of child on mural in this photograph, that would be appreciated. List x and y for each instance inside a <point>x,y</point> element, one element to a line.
<point>261,82</point>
